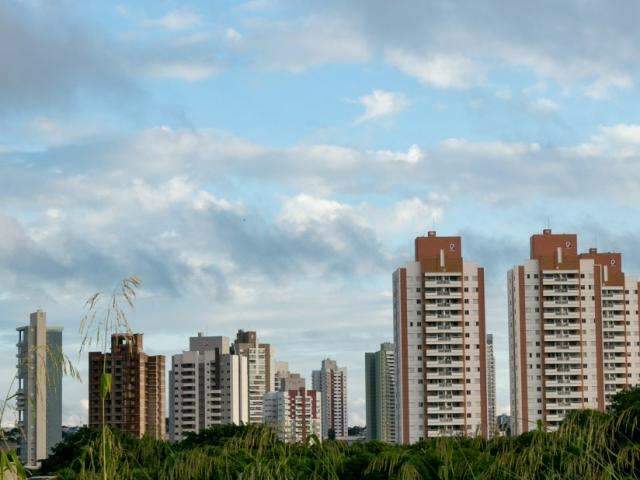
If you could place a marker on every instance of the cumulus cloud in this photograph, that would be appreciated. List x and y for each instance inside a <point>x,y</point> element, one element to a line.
<point>545,106</point>
<point>176,20</point>
<point>380,104</point>
<point>439,70</point>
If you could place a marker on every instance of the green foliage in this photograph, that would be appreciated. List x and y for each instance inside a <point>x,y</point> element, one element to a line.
<point>589,445</point>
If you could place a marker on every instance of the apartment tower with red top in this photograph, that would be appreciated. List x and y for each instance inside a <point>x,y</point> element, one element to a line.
<point>440,339</point>
<point>573,331</point>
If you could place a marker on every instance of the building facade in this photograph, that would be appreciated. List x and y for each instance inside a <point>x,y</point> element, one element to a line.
<point>573,331</point>
<point>295,415</point>
<point>135,403</point>
<point>208,386</point>
<point>331,382</point>
<point>439,336</point>
<point>286,380</point>
<point>491,386</point>
<point>380,393</point>
<point>39,395</point>
<point>261,370</point>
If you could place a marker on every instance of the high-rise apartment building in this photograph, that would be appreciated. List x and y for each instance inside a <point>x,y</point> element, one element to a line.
<point>294,414</point>
<point>135,403</point>
<point>491,386</point>
<point>286,380</point>
<point>39,395</point>
<point>380,373</point>
<point>261,368</point>
<point>439,334</point>
<point>208,386</point>
<point>331,382</point>
<point>573,331</point>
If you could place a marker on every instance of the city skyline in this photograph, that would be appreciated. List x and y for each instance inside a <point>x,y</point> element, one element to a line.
<point>266,166</point>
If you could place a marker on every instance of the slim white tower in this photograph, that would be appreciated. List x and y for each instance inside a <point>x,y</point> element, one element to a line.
<point>39,399</point>
<point>331,382</point>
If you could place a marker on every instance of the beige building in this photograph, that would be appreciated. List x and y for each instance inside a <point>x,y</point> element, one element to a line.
<point>136,402</point>
<point>331,382</point>
<point>295,415</point>
<point>439,333</point>
<point>573,331</point>
<point>208,386</point>
<point>261,370</point>
<point>39,395</point>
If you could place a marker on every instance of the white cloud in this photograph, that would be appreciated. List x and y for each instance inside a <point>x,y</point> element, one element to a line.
<point>601,88</point>
<point>621,141</point>
<point>232,35</point>
<point>187,71</point>
<point>622,133</point>
<point>413,156</point>
<point>176,20</point>
<point>438,70</point>
<point>379,104</point>
<point>306,43</point>
<point>415,213</point>
<point>304,210</point>
<point>55,132</point>
<point>504,94</point>
<point>545,106</point>
<point>493,149</point>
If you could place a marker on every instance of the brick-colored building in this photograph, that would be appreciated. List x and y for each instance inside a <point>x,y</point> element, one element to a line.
<point>136,403</point>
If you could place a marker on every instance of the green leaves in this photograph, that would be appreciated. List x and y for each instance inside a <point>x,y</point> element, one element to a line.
<point>105,385</point>
<point>589,445</point>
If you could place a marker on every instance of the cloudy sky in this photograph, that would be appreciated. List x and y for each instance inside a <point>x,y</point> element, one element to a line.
<point>266,164</point>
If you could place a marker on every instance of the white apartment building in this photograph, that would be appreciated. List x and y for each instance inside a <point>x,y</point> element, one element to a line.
<point>331,382</point>
<point>491,386</point>
<point>39,395</point>
<point>573,331</point>
<point>208,386</point>
<point>296,415</point>
<point>261,370</point>
<point>439,334</point>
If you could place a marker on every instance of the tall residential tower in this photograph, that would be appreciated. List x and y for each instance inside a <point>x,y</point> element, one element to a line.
<point>135,403</point>
<point>208,386</point>
<point>491,386</point>
<point>39,396</point>
<point>439,333</point>
<point>261,369</point>
<point>380,372</point>
<point>331,382</point>
<point>573,331</point>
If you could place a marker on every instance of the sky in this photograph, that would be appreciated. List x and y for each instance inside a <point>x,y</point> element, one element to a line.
<point>266,164</point>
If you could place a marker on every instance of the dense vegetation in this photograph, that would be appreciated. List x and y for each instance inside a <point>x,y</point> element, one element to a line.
<point>589,445</point>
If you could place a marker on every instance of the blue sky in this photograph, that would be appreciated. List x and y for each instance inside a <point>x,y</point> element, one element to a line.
<point>266,164</point>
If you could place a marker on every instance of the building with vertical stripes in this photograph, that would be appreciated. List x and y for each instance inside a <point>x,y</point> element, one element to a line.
<point>331,382</point>
<point>439,334</point>
<point>261,370</point>
<point>135,403</point>
<point>491,386</point>
<point>573,331</point>
<point>39,394</point>
<point>380,383</point>
<point>208,386</point>
<point>295,414</point>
